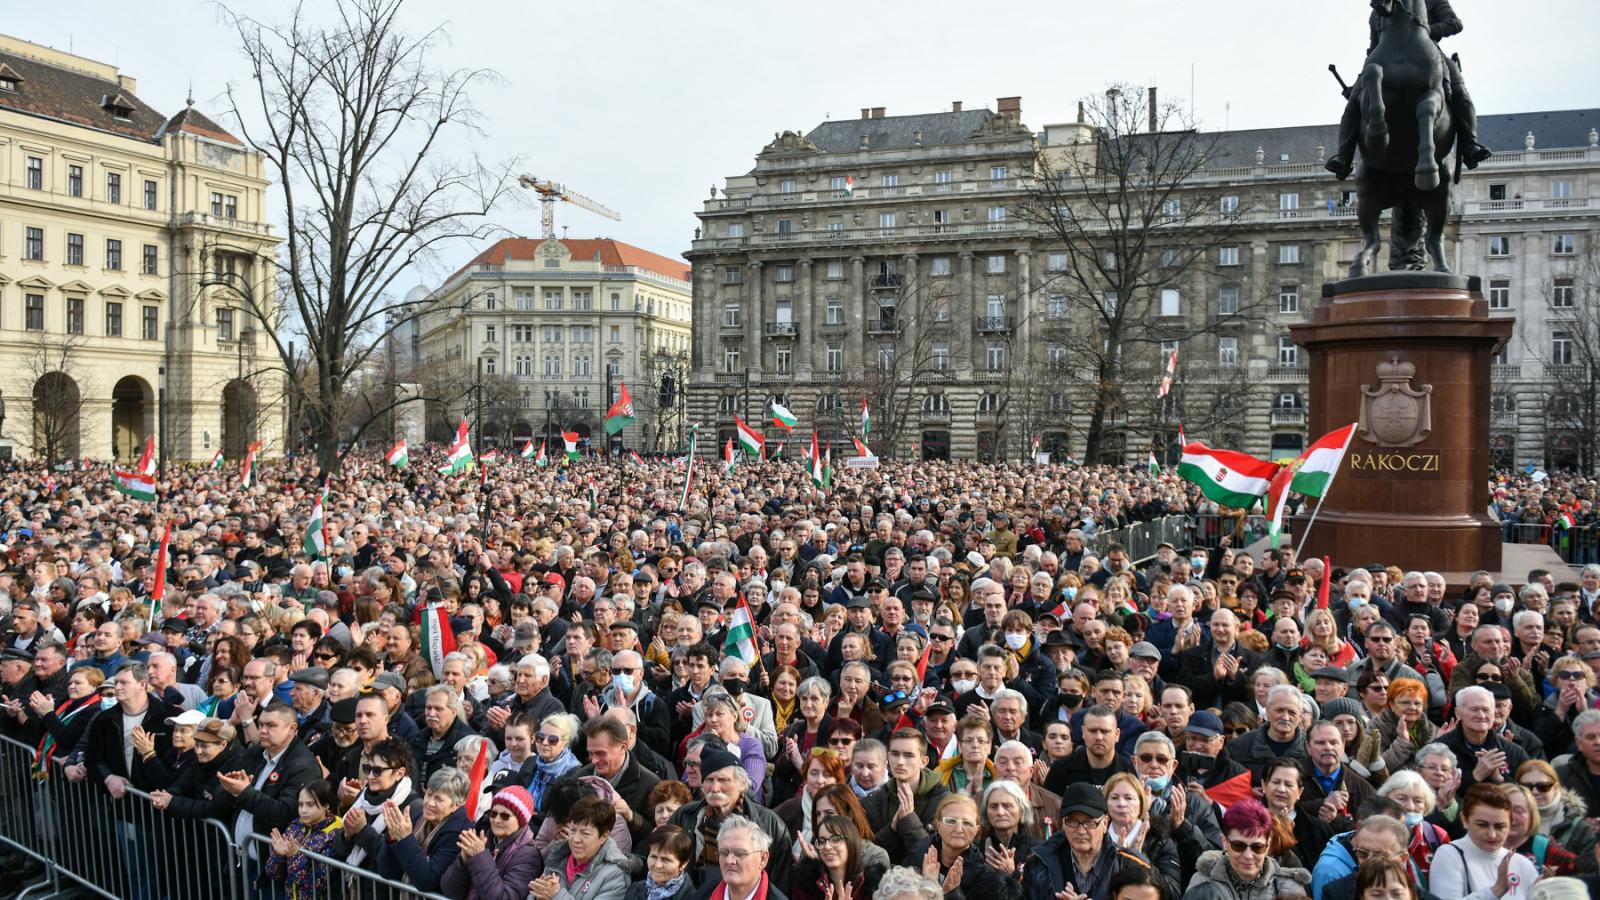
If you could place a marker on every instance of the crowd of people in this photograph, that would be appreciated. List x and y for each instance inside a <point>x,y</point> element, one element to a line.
<point>928,679</point>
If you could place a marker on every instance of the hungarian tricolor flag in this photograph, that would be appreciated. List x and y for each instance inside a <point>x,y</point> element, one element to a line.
<point>849,186</point>
<point>480,768</point>
<point>571,438</point>
<point>527,449</point>
<point>459,456</point>
<point>1326,587</point>
<point>866,420</point>
<point>316,537</point>
<point>247,468</point>
<point>147,459</point>
<point>438,641</point>
<point>688,468</point>
<point>620,415</point>
<point>750,440</point>
<point>136,485</point>
<point>728,459</point>
<point>541,460</point>
<point>1166,377</point>
<point>861,449</point>
<point>1153,464</point>
<point>781,417</point>
<point>639,460</point>
<point>741,637</point>
<point>1225,476</point>
<point>159,588</point>
<point>1564,521</point>
<point>1033,451</point>
<point>819,471</point>
<point>397,455</point>
<point>216,460</point>
<point>1312,474</point>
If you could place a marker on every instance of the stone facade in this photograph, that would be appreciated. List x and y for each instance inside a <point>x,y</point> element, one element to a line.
<point>129,241</point>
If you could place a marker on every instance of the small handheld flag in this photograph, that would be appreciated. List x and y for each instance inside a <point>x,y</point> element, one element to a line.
<point>159,589</point>
<point>571,438</point>
<point>527,449</point>
<point>459,456</point>
<point>247,469</point>
<point>216,461</point>
<point>866,420</point>
<point>147,459</point>
<point>781,417</point>
<point>620,415</point>
<point>1166,377</point>
<point>397,455</point>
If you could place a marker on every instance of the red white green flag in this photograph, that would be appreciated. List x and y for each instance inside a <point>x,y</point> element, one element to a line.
<point>459,456</point>
<point>862,449</point>
<point>527,449</point>
<point>741,637</point>
<point>750,440</point>
<point>571,438</point>
<point>620,415</point>
<point>1311,474</point>
<point>541,460</point>
<point>247,468</point>
<point>159,588</point>
<point>397,455</point>
<point>728,459</point>
<point>316,536</point>
<point>1166,377</point>
<point>216,461</point>
<point>136,485</point>
<point>688,468</point>
<point>866,420</point>
<point>147,459</point>
<point>1227,477</point>
<point>438,641</point>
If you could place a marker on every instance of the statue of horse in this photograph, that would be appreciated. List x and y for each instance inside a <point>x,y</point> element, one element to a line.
<point>1406,135</point>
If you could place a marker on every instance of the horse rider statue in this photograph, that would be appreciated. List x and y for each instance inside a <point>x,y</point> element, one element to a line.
<point>1442,23</point>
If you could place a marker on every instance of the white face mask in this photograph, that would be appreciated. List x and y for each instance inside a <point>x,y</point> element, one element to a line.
<point>963,685</point>
<point>1502,605</point>
<point>1015,641</point>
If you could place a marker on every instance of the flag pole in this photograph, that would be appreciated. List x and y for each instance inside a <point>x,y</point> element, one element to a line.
<point>1301,542</point>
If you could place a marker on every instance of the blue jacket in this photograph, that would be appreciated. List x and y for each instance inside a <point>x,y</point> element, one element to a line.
<point>1335,863</point>
<point>421,867</point>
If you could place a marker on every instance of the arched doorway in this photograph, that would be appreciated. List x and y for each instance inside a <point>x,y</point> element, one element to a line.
<point>238,418</point>
<point>56,408</point>
<point>131,413</point>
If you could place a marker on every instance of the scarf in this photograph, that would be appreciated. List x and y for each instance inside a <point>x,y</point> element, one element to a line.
<point>1552,816</point>
<point>374,812</point>
<point>710,823</point>
<point>857,788</point>
<point>804,833</point>
<point>65,713</point>
<point>655,891</point>
<point>781,712</point>
<point>720,892</point>
<point>546,772</point>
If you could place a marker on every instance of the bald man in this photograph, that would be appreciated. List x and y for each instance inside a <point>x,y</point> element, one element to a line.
<point>1218,669</point>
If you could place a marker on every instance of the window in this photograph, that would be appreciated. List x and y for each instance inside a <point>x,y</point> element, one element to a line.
<point>113,254</point>
<point>736,229</point>
<point>522,334</point>
<point>783,274</point>
<point>1056,306</point>
<point>1170,302</point>
<point>836,183</point>
<point>835,358</point>
<point>554,299</point>
<point>35,173</point>
<point>148,325</point>
<point>886,223</point>
<point>1561,345</point>
<point>230,207</point>
<point>489,334</point>
<point>1055,356</point>
<point>1288,202</point>
<point>1171,257</point>
<point>938,404</point>
<point>1228,301</point>
<point>523,366</point>
<point>1562,292</point>
<point>1499,245</point>
<point>833,314</point>
<point>940,357</point>
<point>1228,255</point>
<point>1171,208</point>
<point>995,356</point>
<point>113,187</point>
<point>1497,191</point>
<point>730,275</point>
<point>75,315</point>
<point>113,319</point>
<point>786,186</point>
<point>1288,254</point>
<point>834,270</point>
<point>1110,261</point>
<point>783,359</point>
<point>728,403</point>
<point>943,176</point>
<point>522,300</point>
<point>997,173</point>
<point>552,334</point>
<point>149,194</point>
<point>1229,205</point>
<point>552,365</point>
<point>891,181</point>
<point>1563,244</point>
<point>730,315</point>
<point>995,306</point>
<point>1228,352</point>
<point>941,309</point>
<point>1288,401</point>
<point>1055,262</point>
<point>1289,299</point>
<point>1109,301</point>
<point>939,267</point>
<point>148,259</point>
<point>582,365</point>
<point>75,181</point>
<point>216,204</point>
<point>785,227</point>
<point>33,306</point>
<point>582,300</point>
<point>8,83</point>
<point>996,264</point>
<point>583,334</point>
<point>490,301</point>
<point>33,244</point>
<point>1561,189</point>
<point>1288,353</point>
<point>991,403</point>
<point>616,334</point>
<point>730,360</point>
<point>1499,293</point>
<point>224,324</point>
<point>74,249</point>
<point>886,357</point>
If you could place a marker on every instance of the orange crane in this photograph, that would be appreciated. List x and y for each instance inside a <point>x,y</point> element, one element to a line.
<point>549,192</point>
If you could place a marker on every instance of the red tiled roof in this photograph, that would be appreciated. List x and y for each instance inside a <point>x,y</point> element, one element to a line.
<point>76,98</point>
<point>612,253</point>
<point>192,121</point>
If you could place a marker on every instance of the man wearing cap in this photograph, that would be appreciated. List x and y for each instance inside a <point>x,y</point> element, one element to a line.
<point>1203,758</point>
<point>391,686</point>
<point>900,810</point>
<point>342,734</point>
<point>725,791</point>
<point>859,618</point>
<point>1077,862</point>
<point>312,718</point>
<point>1330,682</point>
<point>16,681</point>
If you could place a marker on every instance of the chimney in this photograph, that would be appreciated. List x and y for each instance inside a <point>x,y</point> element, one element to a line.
<point>955,106</point>
<point>877,112</point>
<point>1113,99</point>
<point>916,137</point>
<point>1011,108</point>
<point>1153,117</point>
<point>1080,112</point>
<point>866,112</point>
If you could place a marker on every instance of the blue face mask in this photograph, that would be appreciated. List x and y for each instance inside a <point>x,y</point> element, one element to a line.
<point>1355,603</point>
<point>1158,784</point>
<point>1197,563</point>
<point>107,702</point>
<point>1069,592</point>
<point>1413,819</point>
<point>623,683</point>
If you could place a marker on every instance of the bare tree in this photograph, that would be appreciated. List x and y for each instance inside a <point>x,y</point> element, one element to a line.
<point>910,355</point>
<point>354,123</point>
<point>1137,221</point>
<point>55,370</point>
<point>1570,357</point>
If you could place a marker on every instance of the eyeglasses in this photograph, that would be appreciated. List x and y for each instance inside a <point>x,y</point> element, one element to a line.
<point>1151,757</point>
<point>841,741</point>
<point>373,769</point>
<point>1493,679</point>
<point>939,638</point>
<point>545,737</point>
<point>1253,847</point>
<point>954,822</point>
<point>1081,825</point>
<point>1379,639</point>
<point>324,656</point>
<point>1539,787</point>
<point>1234,732</point>
<point>1364,855</point>
<point>832,840</point>
<point>1570,675</point>
<point>501,815</point>
<point>622,670</point>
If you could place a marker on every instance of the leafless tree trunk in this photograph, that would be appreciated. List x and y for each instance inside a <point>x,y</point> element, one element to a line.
<point>1570,356</point>
<point>55,371</point>
<point>355,126</point>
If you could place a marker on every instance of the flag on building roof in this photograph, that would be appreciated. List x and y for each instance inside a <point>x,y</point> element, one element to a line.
<point>781,417</point>
<point>1227,477</point>
<point>1311,474</point>
<point>571,438</point>
<point>247,468</point>
<point>751,441</point>
<point>459,456</point>
<point>741,636</point>
<point>136,485</point>
<point>216,461</point>
<point>397,455</point>
<point>620,415</point>
<point>1166,377</point>
<point>147,459</point>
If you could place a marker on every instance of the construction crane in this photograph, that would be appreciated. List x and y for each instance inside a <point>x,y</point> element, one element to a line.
<point>549,192</point>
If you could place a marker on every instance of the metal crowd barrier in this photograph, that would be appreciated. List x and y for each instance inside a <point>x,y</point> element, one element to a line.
<point>1577,546</point>
<point>126,849</point>
<point>1142,538</point>
<point>1208,530</point>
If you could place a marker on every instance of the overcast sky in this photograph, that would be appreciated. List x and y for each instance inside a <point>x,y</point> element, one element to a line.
<point>642,106</point>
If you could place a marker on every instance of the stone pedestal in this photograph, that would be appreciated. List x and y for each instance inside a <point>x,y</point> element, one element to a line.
<point>1407,355</point>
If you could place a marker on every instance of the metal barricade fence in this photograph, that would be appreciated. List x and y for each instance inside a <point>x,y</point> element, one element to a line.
<point>318,877</point>
<point>1577,546</point>
<point>24,822</point>
<point>1141,538</point>
<point>1208,530</point>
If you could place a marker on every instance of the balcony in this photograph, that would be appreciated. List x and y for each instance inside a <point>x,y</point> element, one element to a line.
<point>1568,373</point>
<point>883,326</point>
<point>780,329</point>
<point>1505,373</point>
<point>1287,374</point>
<point>887,281</point>
<point>1505,418</point>
<point>933,417</point>
<point>994,324</point>
<point>230,223</point>
<point>1292,417</point>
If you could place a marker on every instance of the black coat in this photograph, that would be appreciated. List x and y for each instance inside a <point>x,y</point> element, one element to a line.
<point>429,763</point>
<point>1197,670</point>
<point>196,794</point>
<point>102,741</point>
<point>277,803</point>
<point>634,784</point>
